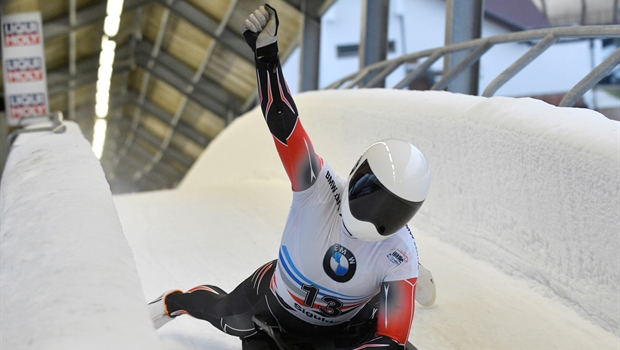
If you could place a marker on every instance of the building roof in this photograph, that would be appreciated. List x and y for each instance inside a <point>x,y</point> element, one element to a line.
<point>182,72</point>
<point>579,12</point>
<point>515,15</point>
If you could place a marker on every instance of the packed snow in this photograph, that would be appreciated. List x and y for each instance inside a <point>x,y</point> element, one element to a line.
<point>67,278</point>
<point>520,229</point>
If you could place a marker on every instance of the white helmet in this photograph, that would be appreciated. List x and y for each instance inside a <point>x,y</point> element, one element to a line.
<point>385,189</point>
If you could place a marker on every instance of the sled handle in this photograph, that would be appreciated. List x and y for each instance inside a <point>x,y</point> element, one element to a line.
<point>263,326</point>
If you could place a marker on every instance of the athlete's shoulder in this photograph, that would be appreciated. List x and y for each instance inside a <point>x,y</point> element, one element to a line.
<point>405,236</point>
<point>327,185</point>
<point>402,242</point>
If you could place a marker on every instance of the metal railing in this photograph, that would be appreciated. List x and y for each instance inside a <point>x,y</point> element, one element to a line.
<point>57,126</point>
<point>374,75</point>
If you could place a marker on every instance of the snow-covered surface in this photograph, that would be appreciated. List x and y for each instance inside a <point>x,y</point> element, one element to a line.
<point>520,229</point>
<point>68,279</point>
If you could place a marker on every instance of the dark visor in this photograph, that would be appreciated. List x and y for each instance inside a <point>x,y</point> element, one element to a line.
<point>370,201</point>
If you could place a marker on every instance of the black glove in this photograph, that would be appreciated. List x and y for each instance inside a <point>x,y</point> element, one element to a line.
<point>382,341</point>
<point>260,31</point>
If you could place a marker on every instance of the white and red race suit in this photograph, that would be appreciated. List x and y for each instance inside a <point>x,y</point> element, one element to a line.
<point>324,274</point>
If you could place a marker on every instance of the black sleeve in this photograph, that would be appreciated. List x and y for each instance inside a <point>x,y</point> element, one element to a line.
<point>275,98</point>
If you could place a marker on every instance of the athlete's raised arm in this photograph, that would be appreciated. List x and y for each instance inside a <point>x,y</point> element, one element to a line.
<point>301,163</point>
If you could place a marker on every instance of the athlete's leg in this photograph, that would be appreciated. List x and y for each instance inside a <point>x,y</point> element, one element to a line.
<point>232,313</point>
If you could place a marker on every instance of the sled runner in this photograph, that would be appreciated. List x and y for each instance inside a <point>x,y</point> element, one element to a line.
<point>281,341</point>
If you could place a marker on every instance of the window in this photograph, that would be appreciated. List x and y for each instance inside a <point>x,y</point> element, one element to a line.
<point>352,50</point>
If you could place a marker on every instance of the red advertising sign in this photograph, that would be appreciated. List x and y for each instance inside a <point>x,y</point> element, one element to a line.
<point>21,105</point>
<point>21,33</point>
<point>23,65</point>
<point>25,69</point>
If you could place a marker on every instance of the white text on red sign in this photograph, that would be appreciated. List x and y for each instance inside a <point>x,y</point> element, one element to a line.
<point>27,69</point>
<point>22,105</point>
<point>21,33</point>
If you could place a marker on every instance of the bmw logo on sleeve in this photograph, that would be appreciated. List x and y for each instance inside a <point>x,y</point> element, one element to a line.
<point>339,263</point>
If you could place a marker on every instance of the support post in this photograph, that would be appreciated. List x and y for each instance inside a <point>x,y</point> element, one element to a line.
<point>463,23</point>
<point>310,44</point>
<point>373,41</point>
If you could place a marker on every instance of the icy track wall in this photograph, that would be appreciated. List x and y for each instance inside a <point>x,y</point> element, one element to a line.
<point>68,277</point>
<point>526,186</point>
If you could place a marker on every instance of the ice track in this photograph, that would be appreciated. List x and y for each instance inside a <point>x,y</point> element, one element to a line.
<point>517,263</point>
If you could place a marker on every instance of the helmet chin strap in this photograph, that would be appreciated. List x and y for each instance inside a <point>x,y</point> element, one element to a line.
<point>346,230</point>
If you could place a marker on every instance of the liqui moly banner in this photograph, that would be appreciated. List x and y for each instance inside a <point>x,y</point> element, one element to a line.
<point>23,66</point>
